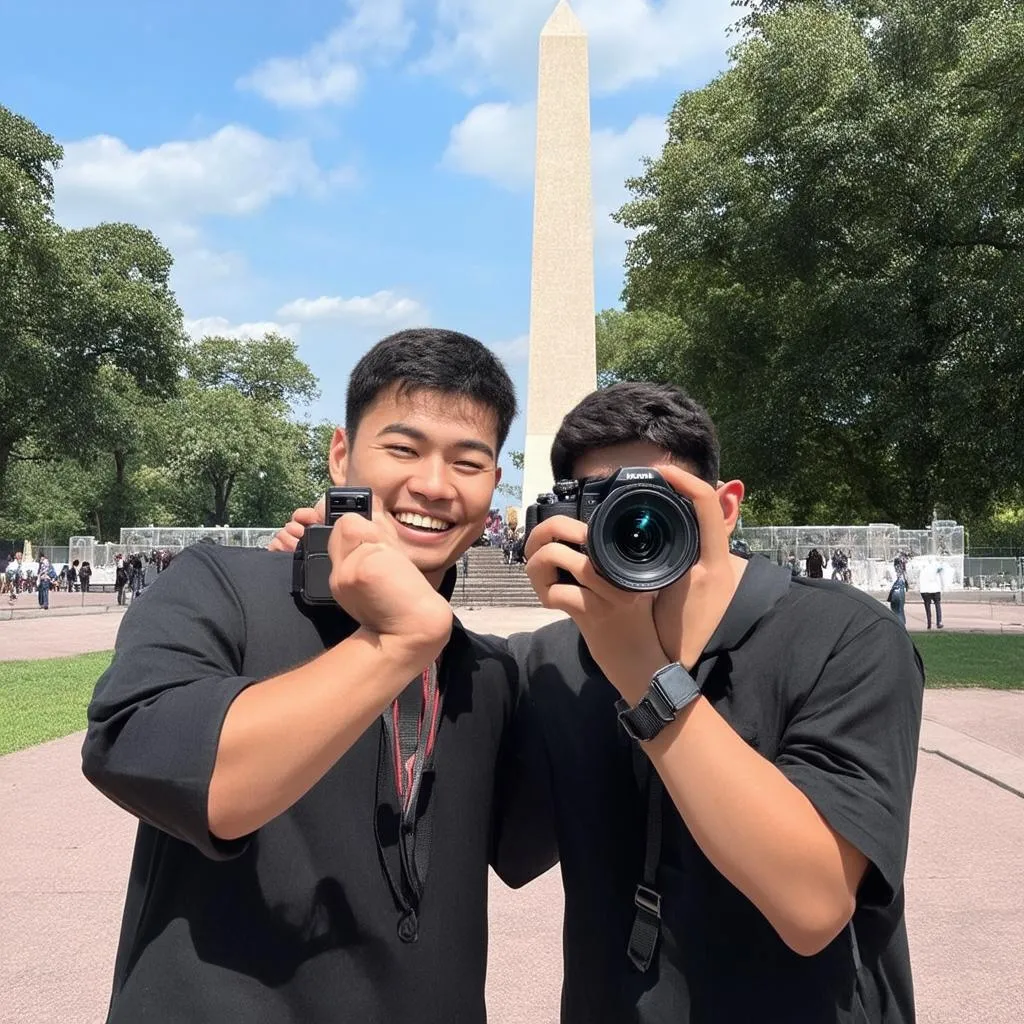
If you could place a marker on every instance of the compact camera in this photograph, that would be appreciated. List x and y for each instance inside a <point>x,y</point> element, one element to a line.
<point>311,567</point>
<point>641,535</point>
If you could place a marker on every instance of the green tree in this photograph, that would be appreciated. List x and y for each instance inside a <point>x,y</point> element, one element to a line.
<point>758,10</point>
<point>71,302</point>
<point>230,428</point>
<point>837,224</point>
<point>28,270</point>
<point>266,370</point>
<point>121,431</point>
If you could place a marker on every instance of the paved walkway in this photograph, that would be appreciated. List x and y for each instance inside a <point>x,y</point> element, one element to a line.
<point>36,634</point>
<point>66,852</point>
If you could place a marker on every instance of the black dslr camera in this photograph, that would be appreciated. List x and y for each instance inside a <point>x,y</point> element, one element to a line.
<point>641,534</point>
<point>311,566</point>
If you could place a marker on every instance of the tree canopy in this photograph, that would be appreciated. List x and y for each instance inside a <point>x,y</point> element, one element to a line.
<point>830,255</point>
<point>109,415</point>
<point>71,303</point>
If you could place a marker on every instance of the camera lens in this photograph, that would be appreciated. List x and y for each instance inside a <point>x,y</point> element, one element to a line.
<point>643,538</point>
<point>640,536</point>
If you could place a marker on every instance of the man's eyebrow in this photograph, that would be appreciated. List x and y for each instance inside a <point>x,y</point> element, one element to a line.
<point>415,434</point>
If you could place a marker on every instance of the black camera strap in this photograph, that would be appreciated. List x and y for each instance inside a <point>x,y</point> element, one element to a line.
<point>405,778</point>
<point>643,939</point>
<point>762,587</point>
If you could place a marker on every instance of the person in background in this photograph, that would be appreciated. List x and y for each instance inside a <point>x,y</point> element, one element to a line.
<point>120,579</point>
<point>815,565</point>
<point>932,582</point>
<point>14,574</point>
<point>84,576</point>
<point>898,598</point>
<point>136,574</point>
<point>73,576</point>
<point>44,580</point>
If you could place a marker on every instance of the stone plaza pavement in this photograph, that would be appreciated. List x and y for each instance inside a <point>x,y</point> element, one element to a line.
<point>66,850</point>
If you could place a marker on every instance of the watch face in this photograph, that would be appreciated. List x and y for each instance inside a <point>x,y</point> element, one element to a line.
<point>675,686</point>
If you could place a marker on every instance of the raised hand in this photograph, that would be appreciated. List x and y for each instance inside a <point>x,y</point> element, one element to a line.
<point>288,537</point>
<point>618,626</point>
<point>688,613</point>
<point>382,590</point>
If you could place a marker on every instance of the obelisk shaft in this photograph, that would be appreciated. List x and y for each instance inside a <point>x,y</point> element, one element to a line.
<point>563,361</point>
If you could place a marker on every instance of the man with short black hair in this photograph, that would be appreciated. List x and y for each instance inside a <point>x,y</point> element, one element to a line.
<point>316,829</point>
<point>731,760</point>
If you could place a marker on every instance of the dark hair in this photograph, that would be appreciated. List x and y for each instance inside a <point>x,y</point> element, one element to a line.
<point>662,414</point>
<point>426,359</point>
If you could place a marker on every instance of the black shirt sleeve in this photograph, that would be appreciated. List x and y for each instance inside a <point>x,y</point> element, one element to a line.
<point>524,843</point>
<point>852,749</point>
<point>157,712</point>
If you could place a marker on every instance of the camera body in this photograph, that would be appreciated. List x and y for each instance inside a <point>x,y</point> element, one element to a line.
<point>311,564</point>
<point>641,535</point>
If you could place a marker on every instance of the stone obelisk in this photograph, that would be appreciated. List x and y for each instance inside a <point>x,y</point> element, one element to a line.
<point>563,360</point>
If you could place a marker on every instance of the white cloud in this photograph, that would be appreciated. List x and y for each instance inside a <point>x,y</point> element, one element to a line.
<point>329,72</point>
<point>304,82</point>
<point>515,351</point>
<point>222,327</point>
<point>233,172</point>
<point>496,142</point>
<point>618,156</point>
<point>483,42</point>
<point>173,187</point>
<point>382,309</point>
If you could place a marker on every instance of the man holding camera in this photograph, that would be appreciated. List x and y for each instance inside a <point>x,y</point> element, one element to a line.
<point>731,755</point>
<point>321,786</point>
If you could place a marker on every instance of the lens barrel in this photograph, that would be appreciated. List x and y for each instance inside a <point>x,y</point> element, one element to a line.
<point>643,538</point>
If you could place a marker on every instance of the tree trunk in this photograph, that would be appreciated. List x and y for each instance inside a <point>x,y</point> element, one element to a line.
<point>221,497</point>
<point>119,461</point>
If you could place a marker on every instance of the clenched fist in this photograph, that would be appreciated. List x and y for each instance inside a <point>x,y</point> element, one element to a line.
<point>383,591</point>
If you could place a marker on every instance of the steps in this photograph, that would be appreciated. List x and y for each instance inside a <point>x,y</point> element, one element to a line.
<point>490,583</point>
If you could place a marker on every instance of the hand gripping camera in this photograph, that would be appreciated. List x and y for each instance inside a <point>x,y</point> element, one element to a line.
<point>311,565</point>
<point>641,535</point>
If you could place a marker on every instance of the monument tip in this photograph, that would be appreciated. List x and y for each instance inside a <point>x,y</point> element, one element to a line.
<point>563,22</point>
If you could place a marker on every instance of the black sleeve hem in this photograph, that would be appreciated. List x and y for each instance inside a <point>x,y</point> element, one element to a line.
<point>168,786</point>
<point>157,714</point>
<point>829,795</point>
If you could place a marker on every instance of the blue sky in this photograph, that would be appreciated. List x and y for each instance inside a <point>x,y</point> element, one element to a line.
<point>343,168</point>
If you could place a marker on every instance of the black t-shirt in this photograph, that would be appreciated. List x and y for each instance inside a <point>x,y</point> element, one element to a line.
<point>825,683</point>
<point>296,923</point>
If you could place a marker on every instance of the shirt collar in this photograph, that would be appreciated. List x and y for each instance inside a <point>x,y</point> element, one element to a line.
<point>761,587</point>
<point>447,587</point>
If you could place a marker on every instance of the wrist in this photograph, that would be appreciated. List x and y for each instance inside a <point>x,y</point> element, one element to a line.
<point>405,654</point>
<point>634,683</point>
<point>669,693</point>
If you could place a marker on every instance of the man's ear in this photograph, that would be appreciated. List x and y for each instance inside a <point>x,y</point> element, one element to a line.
<point>497,476</point>
<point>730,497</point>
<point>339,455</point>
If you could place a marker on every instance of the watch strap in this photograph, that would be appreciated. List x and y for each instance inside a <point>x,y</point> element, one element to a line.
<point>672,689</point>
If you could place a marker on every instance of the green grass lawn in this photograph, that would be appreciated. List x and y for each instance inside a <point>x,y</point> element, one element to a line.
<point>972,659</point>
<point>43,700</point>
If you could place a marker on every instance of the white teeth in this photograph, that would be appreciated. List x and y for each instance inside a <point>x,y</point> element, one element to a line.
<point>423,522</point>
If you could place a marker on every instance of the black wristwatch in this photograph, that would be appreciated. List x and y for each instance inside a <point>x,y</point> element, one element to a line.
<point>672,689</point>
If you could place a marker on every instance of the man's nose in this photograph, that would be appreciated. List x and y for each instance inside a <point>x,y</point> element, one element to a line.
<point>432,481</point>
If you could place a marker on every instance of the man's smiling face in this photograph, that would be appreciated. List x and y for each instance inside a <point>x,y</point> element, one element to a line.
<point>431,461</point>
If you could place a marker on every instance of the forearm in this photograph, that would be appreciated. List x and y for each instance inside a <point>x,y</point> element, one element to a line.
<point>757,828</point>
<point>281,736</point>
